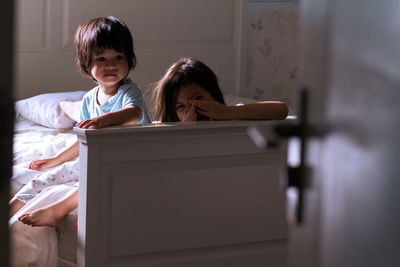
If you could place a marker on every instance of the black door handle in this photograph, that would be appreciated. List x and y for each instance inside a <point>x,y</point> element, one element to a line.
<point>296,176</point>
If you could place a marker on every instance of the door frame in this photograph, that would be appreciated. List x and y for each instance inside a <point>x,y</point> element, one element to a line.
<point>7,112</point>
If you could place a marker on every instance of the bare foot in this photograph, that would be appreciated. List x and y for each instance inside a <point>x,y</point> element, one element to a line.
<point>53,214</point>
<point>42,217</point>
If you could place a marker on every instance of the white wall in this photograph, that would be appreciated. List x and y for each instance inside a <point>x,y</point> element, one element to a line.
<point>252,46</point>
<point>163,31</point>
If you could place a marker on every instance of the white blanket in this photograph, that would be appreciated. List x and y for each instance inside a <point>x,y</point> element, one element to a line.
<point>35,246</point>
<point>33,141</point>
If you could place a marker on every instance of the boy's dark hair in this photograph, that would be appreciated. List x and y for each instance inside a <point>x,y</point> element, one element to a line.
<point>182,73</point>
<point>102,33</point>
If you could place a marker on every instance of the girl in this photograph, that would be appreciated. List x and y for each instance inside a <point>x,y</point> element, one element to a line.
<point>104,49</point>
<point>189,91</point>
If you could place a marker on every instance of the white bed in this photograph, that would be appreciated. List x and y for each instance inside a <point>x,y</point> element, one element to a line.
<point>194,194</point>
<point>199,194</point>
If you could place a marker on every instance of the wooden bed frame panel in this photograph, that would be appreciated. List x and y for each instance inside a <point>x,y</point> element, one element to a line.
<point>199,194</point>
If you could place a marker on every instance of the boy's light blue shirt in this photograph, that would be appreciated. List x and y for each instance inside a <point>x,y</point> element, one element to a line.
<point>128,94</point>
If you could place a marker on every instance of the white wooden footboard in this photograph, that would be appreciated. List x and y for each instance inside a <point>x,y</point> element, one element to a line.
<point>199,194</point>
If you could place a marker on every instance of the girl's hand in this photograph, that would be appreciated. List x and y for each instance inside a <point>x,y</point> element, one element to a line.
<point>95,123</point>
<point>190,115</point>
<point>211,109</point>
<point>41,164</point>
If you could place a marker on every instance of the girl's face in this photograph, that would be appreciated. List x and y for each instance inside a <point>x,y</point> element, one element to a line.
<point>109,67</point>
<point>190,92</point>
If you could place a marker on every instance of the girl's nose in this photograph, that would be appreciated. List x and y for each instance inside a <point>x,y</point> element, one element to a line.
<point>186,109</point>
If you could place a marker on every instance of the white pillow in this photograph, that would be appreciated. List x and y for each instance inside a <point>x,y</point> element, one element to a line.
<point>72,109</point>
<point>45,109</point>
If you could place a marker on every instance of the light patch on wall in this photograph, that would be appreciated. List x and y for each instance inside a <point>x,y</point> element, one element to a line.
<point>31,25</point>
<point>271,51</point>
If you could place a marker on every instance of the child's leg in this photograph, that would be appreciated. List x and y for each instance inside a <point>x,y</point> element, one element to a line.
<point>30,190</point>
<point>15,205</point>
<point>63,174</point>
<point>52,214</point>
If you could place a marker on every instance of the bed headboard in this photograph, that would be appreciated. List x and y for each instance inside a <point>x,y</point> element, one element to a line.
<point>180,195</point>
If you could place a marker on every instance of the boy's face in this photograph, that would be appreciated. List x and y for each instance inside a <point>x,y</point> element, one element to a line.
<point>109,67</point>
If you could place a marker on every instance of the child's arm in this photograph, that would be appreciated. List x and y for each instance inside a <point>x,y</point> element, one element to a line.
<point>67,155</point>
<point>267,110</point>
<point>129,115</point>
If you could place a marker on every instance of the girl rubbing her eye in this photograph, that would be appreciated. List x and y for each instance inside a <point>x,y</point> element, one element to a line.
<point>189,91</point>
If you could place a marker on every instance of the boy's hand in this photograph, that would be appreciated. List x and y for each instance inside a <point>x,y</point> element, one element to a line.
<point>211,109</point>
<point>95,123</point>
<point>41,164</point>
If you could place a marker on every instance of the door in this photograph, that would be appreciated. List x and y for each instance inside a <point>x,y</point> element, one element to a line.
<point>351,67</point>
<point>6,132</point>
